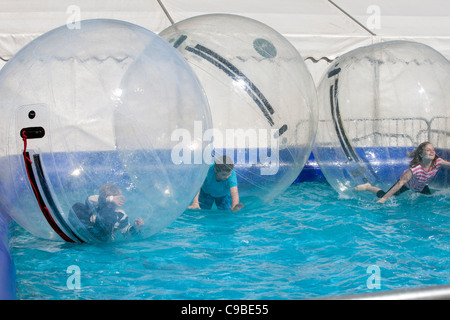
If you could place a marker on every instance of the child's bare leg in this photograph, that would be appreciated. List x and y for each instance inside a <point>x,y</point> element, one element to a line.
<point>367,187</point>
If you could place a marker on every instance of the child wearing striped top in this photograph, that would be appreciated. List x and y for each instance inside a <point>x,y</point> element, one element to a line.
<point>423,167</point>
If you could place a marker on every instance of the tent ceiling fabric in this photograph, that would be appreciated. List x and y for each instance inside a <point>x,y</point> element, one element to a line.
<point>22,20</point>
<point>316,28</point>
<point>319,29</point>
<point>427,21</point>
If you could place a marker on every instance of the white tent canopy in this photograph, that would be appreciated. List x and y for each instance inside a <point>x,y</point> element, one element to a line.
<point>321,30</point>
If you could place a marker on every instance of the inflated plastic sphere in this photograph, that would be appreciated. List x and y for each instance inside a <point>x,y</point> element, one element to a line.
<point>262,98</point>
<point>376,104</point>
<point>94,109</point>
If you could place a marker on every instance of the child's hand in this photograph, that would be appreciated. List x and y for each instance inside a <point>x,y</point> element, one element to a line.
<point>118,200</point>
<point>194,205</point>
<point>382,200</point>
<point>237,207</point>
<point>138,223</point>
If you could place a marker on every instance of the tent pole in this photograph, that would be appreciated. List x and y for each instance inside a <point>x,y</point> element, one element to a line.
<point>348,15</point>
<point>166,12</point>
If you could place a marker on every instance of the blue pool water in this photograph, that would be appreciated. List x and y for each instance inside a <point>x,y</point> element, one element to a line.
<point>308,243</point>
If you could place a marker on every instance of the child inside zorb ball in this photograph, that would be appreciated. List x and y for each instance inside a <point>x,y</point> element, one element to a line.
<point>87,110</point>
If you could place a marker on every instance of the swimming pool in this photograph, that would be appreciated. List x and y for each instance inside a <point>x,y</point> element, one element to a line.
<point>308,243</point>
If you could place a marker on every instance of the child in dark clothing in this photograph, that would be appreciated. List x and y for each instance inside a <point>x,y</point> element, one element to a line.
<point>102,217</point>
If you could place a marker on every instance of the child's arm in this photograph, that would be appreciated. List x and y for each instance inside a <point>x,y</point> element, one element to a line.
<point>235,205</point>
<point>195,204</point>
<point>404,179</point>
<point>445,164</point>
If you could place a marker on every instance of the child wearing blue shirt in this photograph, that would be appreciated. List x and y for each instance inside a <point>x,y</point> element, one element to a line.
<point>220,186</point>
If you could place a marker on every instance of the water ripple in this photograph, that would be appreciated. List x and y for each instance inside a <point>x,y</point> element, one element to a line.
<point>307,243</point>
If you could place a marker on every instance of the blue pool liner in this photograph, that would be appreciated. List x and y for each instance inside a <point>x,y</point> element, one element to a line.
<point>7,269</point>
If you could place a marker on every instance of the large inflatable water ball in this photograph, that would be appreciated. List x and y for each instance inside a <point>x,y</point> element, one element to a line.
<point>376,104</point>
<point>262,98</point>
<point>86,139</point>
